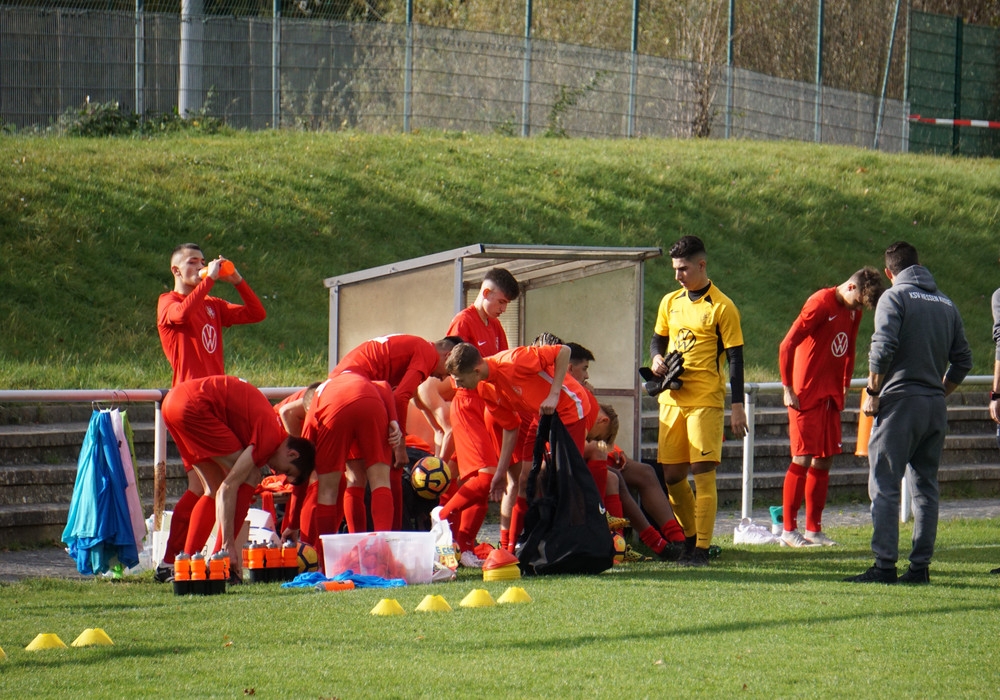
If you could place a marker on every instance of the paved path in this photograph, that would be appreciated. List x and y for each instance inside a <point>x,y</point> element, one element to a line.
<point>53,562</point>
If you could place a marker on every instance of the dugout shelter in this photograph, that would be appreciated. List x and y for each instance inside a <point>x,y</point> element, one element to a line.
<point>592,296</point>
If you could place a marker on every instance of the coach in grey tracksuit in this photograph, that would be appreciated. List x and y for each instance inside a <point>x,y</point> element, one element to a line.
<point>919,355</point>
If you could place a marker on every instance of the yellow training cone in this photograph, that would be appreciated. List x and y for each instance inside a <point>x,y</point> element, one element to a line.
<point>478,598</point>
<point>388,606</point>
<point>93,638</point>
<point>45,641</point>
<point>434,603</point>
<point>2,654</point>
<point>514,594</point>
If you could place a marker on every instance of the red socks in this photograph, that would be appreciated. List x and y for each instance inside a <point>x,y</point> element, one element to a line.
<point>613,504</point>
<point>652,539</point>
<point>202,522</point>
<point>517,521</point>
<point>179,522</point>
<point>672,531</point>
<point>817,485</point>
<point>354,509</point>
<point>328,517</point>
<point>474,491</point>
<point>382,510</point>
<point>793,493</point>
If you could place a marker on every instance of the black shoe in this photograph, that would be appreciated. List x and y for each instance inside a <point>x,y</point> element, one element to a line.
<point>164,574</point>
<point>698,558</point>
<point>874,575</point>
<point>689,546</point>
<point>915,577</point>
<point>672,552</point>
<point>995,571</point>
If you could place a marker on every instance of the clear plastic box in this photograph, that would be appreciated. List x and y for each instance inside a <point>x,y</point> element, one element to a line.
<point>405,555</point>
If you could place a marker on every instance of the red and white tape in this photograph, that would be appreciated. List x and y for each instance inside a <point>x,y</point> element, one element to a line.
<point>981,123</point>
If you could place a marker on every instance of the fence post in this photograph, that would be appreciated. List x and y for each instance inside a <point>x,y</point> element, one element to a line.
<point>630,126</point>
<point>730,59</point>
<point>957,106</point>
<point>408,69</point>
<point>526,88</point>
<point>818,128</point>
<point>885,77</point>
<point>140,58</point>
<point>159,466</point>
<point>189,94</point>
<point>749,402</point>
<point>276,66</point>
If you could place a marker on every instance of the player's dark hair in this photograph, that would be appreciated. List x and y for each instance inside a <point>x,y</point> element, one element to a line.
<point>309,393</point>
<point>613,422</point>
<point>869,282</point>
<point>186,246</point>
<point>687,247</point>
<point>578,353</point>
<point>451,340</point>
<point>899,256</point>
<point>504,281</point>
<point>546,338</point>
<point>306,461</point>
<point>462,359</point>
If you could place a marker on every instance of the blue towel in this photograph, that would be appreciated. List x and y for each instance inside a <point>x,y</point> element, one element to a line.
<point>309,580</point>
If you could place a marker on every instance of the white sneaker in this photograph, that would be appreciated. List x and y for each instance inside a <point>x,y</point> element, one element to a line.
<point>794,538</point>
<point>818,538</point>
<point>470,560</point>
<point>748,532</point>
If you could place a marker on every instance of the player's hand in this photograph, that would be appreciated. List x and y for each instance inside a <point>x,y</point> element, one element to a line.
<point>790,399</point>
<point>738,420</point>
<point>401,457</point>
<point>995,411</point>
<point>395,434</point>
<point>658,365</point>
<point>498,486</point>
<point>290,535</point>
<point>549,405</point>
<point>870,405</point>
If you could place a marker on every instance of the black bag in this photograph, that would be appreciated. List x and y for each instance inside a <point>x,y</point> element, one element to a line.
<point>566,530</point>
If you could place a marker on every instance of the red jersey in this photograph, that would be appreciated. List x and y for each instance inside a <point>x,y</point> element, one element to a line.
<point>216,416</point>
<point>816,358</point>
<point>489,338</point>
<point>191,326</point>
<point>404,361</point>
<point>521,378</point>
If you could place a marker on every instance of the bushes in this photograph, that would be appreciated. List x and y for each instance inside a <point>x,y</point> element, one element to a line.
<point>96,119</point>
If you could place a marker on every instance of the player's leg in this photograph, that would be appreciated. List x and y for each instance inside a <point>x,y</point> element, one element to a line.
<point>180,520</point>
<point>203,513</point>
<point>705,430</point>
<point>817,483</point>
<point>354,498</point>
<point>382,500</point>
<point>642,477</point>
<point>673,461</point>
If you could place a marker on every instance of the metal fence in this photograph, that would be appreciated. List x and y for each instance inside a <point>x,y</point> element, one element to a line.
<point>377,77</point>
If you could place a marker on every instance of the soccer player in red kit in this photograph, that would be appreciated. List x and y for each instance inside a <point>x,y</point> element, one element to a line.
<point>353,424</point>
<point>226,430</point>
<point>190,324</point>
<point>524,380</point>
<point>402,361</point>
<point>475,445</point>
<point>816,360</point>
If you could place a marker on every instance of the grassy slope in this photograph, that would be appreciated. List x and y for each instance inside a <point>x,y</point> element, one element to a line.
<point>87,226</point>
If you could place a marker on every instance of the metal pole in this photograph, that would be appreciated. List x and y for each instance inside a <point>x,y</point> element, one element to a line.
<point>749,402</point>
<point>526,88</point>
<point>957,106</point>
<point>189,95</point>
<point>140,58</point>
<point>408,70</point>
<point>159,466</point>
<point>818,129</point>
<point>276,65</point>
<point>730,59</point>
<point>885,76</point>
<point>633,74</point>
<point>906,82</point>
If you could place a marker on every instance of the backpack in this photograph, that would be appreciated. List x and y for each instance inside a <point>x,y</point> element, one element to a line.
<point>566,530</point>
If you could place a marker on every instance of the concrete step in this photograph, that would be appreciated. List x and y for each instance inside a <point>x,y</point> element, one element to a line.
<point>53,443</point>
<point>53,483</point>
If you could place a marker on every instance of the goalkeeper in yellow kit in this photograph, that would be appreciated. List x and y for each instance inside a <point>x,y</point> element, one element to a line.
<point>698,323</point>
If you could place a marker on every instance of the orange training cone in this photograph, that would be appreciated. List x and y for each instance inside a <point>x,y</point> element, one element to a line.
<point>864,431</point>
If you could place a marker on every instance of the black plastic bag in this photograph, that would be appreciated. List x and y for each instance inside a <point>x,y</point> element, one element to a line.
<point>566,529</point>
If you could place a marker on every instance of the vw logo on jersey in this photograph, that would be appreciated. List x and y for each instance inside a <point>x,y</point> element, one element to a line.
<point>209,338</point>
<point>684,340</point>
<point>839,345</point>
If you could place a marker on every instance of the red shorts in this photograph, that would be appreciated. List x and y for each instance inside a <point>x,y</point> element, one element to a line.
<point>816,432</point>
<point>351,421</point>
<point>475,446</point>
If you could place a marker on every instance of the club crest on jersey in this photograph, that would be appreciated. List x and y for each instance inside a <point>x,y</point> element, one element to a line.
<point>684,340</point>
<point>209,338</point>
<point>839,345</point>
<point>210,311</point>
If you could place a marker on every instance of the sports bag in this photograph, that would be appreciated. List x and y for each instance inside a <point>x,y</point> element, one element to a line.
<point>566,530</point>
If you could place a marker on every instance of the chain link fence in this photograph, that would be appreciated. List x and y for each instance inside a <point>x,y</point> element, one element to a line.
<point>257,73</point>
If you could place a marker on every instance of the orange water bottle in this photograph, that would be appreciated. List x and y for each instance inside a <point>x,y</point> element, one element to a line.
<point>272,562</point>
<point>217,572</point>
<point>182,574</point>
<point>199,574</point>
<point>255,562</point>
<point>225,269</point>
<point>289,560</point>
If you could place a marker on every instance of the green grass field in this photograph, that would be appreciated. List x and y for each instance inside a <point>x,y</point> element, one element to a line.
<point>88,225</point>
<point>762,622</point>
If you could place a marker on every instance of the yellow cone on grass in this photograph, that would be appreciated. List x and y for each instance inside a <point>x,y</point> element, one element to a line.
<point>45,641</point>
<point>388,606</point>
<point>93,638</point>
<point>478,598</point>
<point>514,594</point>
<point>434,603</point>
<point>2,654</point>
